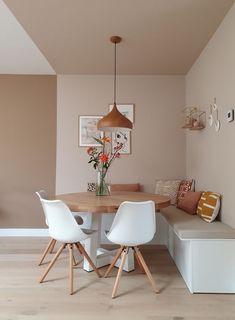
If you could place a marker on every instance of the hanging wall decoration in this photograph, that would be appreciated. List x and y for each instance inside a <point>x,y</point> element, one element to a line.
<point>214,116</point>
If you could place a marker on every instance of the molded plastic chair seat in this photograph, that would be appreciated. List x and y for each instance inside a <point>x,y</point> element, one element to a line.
<point>63,228</point>
<point>133,224</point>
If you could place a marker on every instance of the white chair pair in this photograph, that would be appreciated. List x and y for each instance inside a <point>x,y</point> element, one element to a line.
<point>64,228</point>
<point>134,224</point>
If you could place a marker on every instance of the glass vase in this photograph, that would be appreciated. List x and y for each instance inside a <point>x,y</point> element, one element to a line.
<point>102,189</point>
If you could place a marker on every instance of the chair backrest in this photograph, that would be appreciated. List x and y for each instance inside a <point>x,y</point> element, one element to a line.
<point>61,223</point>
<point>41,194</point>
<point>133,187</point>
<point>134,221</point>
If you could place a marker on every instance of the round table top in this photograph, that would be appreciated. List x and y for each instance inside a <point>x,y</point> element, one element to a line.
<point>89,202</point>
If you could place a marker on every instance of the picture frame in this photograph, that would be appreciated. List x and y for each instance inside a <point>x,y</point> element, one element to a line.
<point>121,137</point>
<point>88,130</point>
<point>126,109</point>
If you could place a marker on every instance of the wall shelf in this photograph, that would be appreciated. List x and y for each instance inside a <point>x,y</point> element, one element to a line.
<point>197,128</point>
<point>192,119</point>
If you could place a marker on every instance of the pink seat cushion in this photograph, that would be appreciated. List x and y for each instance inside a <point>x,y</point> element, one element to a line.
<point>134,187</point>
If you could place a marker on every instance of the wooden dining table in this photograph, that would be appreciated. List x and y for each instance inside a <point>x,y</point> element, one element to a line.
<point>97,205</point>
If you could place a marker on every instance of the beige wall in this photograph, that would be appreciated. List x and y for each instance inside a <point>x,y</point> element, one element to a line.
<point>211,155</point>
<point>28,147</point>
<point>158,143</point>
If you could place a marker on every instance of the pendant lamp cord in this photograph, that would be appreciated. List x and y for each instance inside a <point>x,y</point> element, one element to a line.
<point>115,50</point>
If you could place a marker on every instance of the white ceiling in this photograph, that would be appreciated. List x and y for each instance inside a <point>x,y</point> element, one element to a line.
<point>159,36</point>
<point>18,53</point>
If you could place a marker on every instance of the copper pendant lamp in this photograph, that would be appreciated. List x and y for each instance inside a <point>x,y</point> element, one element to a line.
<point>114,120</point>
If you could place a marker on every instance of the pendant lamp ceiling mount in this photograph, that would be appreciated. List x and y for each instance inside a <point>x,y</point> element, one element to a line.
<point>115,39</point>
<point>114,120</point>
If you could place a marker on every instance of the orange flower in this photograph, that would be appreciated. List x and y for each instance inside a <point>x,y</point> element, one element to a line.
<point>106,139</point>
<point>104,157</point>
<point>91,150</point>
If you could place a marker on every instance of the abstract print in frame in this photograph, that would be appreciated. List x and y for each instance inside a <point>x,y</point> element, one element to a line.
<point>123,136</point>
<point>88,131</point>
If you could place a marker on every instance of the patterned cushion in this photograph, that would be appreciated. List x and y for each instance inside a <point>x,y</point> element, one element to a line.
<point>185,186</point>
<point>91,186</point>
<point>168,188</point>
<point>208,206</point>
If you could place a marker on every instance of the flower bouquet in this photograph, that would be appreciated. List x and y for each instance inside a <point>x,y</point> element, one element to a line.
<point>102,158</point>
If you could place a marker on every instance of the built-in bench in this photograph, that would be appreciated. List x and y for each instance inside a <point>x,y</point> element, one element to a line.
<point>203,252</point>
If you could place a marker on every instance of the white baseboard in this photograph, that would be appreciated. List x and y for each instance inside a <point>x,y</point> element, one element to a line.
<point>20,232</point>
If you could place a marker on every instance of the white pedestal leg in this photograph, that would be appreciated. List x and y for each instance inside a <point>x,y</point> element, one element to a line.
<point>92,243</point>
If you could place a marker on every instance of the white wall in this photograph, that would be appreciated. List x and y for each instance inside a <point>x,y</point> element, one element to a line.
<point>211,155</point>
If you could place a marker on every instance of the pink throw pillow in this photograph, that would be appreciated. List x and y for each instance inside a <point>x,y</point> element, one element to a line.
<point>189,202</point>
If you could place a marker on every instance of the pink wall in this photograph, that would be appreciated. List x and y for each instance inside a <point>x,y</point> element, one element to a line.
<point>158,142</point>
<point>210,154</point>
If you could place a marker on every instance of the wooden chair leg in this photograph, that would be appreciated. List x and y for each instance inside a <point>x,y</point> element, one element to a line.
<point>52,262</point>
<point>138,261</point>
<point>53,246</point>
<point>74,261</point>
<point>124,253</point>
<point>84,253</point>
<point>146,269</point>
<point>70,246</point>
<point>113,262</point>
<point>50,244</point>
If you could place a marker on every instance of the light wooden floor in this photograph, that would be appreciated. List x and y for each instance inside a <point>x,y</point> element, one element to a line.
<point>22,298</point>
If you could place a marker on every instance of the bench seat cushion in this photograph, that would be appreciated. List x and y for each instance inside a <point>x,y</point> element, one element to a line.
<point>193,227</point>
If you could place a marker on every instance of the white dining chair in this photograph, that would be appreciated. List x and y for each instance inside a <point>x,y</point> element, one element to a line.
<point>134,224</point>
<point>50,246</point>
<point>63,228</point>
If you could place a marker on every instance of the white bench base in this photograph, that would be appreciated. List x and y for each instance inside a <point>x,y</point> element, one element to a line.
<point>206,265</point>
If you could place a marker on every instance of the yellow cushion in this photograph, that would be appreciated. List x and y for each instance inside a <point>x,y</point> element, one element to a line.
<point>208,206</point>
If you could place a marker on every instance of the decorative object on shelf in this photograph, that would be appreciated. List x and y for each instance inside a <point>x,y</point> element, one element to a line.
<point>229,116</point>
<point>214,119</point>
<point>102,158</point>
<point>88,130</point>
<point>115,120</point>
<point>192,118</point>
<point>123,136</point>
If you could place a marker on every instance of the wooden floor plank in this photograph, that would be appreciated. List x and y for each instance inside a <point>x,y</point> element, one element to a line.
<point>22,298</point>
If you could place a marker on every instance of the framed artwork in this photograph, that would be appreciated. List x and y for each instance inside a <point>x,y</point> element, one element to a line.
<point>126,109</point>
<point>88,131</point>
<point>122,137</point>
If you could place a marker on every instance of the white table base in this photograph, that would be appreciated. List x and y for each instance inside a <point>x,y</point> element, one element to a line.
<point>102,257</point>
